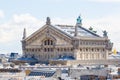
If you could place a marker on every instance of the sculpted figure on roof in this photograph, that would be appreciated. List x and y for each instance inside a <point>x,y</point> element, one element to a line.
<point>48,21</point>
<point>79,20</point>
<point>105,33</point>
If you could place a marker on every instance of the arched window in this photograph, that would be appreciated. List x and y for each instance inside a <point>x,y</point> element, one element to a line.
<point>45,49</point>
<point>92,49</point>
<point>64,49</point>
<point>86,49</point>
<point>103,49</point>
<point>48,45</point>
<point>45,42</point>
<point>97,49</point>
<point>48,42</point>
<point>80,49</point>
<point>58,49</point>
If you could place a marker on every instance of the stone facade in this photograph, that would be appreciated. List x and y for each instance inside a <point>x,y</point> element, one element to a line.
<point>78,73</point>
<point>85,62</point>
<point>64,40</point>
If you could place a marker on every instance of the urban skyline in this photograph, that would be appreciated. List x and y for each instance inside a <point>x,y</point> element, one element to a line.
<point>17,15</point>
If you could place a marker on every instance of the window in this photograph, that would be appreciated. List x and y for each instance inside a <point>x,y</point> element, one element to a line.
<point>97,49</point>
<point>86,49</point>
<point>80,49</point>
<point>45,42</point>
<point>64,49</point>
<point>67,49</point>
<point>92,49</point>
<point>48,42</point>
<point>71,49</point>
<point>51,42</point>
<point>61,49</point>
<point>51,49</point>
<point>58,49</point>
<point>48,49</point>
<point>36,50</point>
<point>103,49</point>
<point>45,49</point>
<point>33,50</point>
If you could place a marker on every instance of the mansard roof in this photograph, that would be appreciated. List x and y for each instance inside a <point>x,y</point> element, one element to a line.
<point>70,30</point>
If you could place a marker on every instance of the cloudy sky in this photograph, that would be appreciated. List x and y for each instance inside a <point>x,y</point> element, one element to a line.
<point>15,15</point>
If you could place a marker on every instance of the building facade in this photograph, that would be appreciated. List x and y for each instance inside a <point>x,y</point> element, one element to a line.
<point>55,41</point>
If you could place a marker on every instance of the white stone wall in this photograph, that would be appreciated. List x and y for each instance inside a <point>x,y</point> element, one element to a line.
<point>76,72</point>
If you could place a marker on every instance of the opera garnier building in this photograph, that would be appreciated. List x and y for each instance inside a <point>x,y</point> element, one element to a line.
<point>66,44</point>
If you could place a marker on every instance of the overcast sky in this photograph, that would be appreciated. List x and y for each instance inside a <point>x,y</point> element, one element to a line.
<point>15,15</point>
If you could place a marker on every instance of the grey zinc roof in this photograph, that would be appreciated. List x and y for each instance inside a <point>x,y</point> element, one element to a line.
<point>42,73</point>
<point>70,30</point>
<point>114,56</point>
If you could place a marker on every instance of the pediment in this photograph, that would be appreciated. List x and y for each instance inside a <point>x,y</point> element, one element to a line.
<point>48,31</point>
